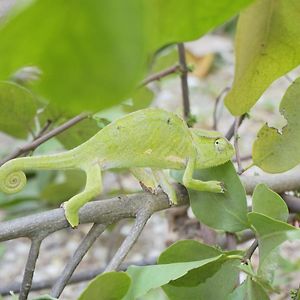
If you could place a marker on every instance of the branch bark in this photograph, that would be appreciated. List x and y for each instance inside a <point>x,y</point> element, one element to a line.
<point>140,222</point>
<point>183,79</point>
<point>162,74</point>
<point>102,212</point>
<point>85,245</point>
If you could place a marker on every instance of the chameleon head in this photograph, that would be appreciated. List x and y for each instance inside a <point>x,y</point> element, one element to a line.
<point>212,148</point>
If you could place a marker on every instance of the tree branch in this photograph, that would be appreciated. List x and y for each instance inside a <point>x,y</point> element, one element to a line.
<point>160,75</point>
<point>250,251</point>
<point>184,83</point>
<point>42,139</point>
<point>218,99</point>
<point>103,212</point>
<point>230,132</point>
<point>140,222</point>
<point>237,122</point>
<point>30,266</point>
<point>76,278</point>
<point>87,242</point>
<point>280,183</point>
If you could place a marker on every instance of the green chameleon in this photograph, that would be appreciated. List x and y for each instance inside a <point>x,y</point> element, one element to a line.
<point>146,142</point>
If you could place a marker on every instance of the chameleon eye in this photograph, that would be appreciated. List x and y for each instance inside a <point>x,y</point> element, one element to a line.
<point>220,144</point>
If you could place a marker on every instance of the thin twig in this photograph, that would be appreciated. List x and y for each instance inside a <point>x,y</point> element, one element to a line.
<point>236,145</point>
<point>30,267</point>
<point>250,251</point>
<point>87,242</point>
<point>36,142</point>
<point>76,278</point>
<point>184,83</point>
<point>230,132</point>
<point>140,222</point>
<point>219,97</point>
<point>242,158</point>
<point>160,75</point>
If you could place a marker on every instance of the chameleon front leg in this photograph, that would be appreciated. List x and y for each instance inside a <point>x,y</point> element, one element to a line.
<point>146,179</point>
<point>195,184</point>
<point>92,188</point>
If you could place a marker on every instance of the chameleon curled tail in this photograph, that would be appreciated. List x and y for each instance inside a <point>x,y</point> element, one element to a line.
<point>13,178</point>
<point>12,182</point>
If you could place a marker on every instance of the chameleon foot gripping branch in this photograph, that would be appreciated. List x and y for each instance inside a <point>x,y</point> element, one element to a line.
<point>148,138</point>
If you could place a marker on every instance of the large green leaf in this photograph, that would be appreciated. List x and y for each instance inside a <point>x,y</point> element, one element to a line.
<point>150,277</point>
<point>112,286</point>
<point>271,233</point>
<point>267,47</point>
<point>269,203</point>
<point>219,286</point>
<point>227,211</point>
<point>93,53</point>
<point>276,152</point>
<point>248,290</point>
<point>18,109</point>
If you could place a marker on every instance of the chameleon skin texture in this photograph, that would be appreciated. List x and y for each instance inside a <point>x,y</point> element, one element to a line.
<point>149,138</point>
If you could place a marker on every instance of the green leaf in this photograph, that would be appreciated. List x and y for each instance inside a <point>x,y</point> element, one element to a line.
<point>276,152</point>
<point>267,43</point>
<point>78,133</point>
<point>271,233</point>
<point>227,211</point>
<point>248,290</point>
<point>219,286</point>
<point>269,203</point>
<point>18,109</point>
<point>150,277</point>
<point>93,53</point>
<point>112,286</point>
<point>197,17</point>
<point>57,192</point>
<point>189,250</point>
<point>141,98</point>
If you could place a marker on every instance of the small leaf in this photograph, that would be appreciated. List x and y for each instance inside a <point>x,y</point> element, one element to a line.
<point>150,277</point>
<point>140,99</point>
<point>271,233</point>
<point>248,290</point>
<point>227,211</point>
<point>78,133</point>
<point>266,45</point>
<point>269,203</point>
<point>276,152</point>
<point>112,285</point>
<point>18,109</point>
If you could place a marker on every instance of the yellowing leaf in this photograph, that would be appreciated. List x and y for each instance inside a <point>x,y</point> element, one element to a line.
<point>276,152</point>
<point>267,47</point>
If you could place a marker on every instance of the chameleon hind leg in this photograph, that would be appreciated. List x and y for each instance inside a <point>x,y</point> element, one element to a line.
<point>92,188</point>
<point>152,179</point>
<point>167,187</point>
<point>146,179</point>
<point>199,185</point>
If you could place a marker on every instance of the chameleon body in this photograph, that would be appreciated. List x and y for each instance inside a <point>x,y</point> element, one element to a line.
<point>150,138</point>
